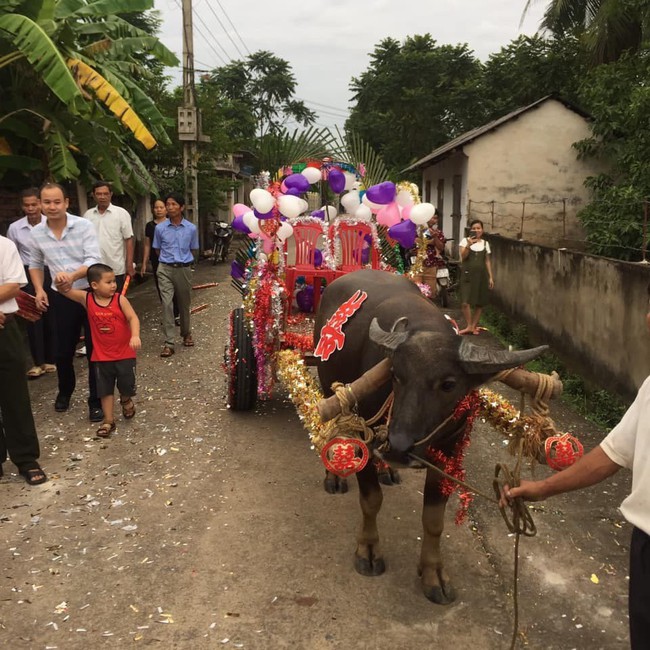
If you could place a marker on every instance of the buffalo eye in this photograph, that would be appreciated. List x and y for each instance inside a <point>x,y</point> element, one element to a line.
<point>447,385</point>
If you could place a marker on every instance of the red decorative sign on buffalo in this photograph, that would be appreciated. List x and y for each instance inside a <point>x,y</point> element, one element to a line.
<point>341,456</point>
<point>331,334</point>
<point>562,451</point>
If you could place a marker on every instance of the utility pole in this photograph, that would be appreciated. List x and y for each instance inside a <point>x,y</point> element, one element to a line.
<point>189,124</point>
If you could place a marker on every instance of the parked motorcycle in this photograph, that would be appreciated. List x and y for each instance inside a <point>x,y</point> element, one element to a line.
<point>221,241</point>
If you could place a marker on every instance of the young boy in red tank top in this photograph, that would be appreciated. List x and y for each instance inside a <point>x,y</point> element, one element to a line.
<point>115,331</point>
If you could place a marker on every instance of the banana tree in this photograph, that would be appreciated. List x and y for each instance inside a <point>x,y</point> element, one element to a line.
<point>74,71</point>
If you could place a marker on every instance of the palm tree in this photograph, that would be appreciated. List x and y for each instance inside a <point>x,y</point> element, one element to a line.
<point>73,104</point>
<point>608,27</point>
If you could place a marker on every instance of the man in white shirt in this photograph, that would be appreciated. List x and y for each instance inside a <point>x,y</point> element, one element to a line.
<point>41,334</point>
<point>18,438</point>
<point>114,231</point>
<point>627,445</point>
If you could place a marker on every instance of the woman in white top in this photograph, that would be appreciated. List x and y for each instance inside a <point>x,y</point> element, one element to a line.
<point>475,276</point>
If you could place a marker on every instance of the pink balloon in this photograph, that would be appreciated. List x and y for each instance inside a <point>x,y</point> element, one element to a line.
<point>406,211</point>
<point>239,209</point>
<point>388,215</point>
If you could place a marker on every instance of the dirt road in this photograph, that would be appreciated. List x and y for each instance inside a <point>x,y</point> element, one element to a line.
<point>197,527</point>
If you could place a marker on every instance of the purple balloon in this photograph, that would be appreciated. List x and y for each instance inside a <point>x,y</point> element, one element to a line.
<point>297,182</point>
<point>336,179</point>
<point>382,194</point>
<point>365,255</point>
<point>265,215</point>
<point>238,224</point>
<point>305,298</point>
<point>293,191</point>
<point>404,233</point>
<point>237,270</point>
<point>318,258</point>
<point>320,214</point>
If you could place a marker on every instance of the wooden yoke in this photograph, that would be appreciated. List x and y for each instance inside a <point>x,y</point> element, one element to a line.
<point>373,379</point>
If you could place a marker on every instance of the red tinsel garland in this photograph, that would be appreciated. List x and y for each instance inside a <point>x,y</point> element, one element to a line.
<point>295,341</point>
<point>453,465</point>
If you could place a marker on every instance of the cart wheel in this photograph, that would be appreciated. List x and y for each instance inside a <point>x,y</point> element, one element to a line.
<point>241,364</point>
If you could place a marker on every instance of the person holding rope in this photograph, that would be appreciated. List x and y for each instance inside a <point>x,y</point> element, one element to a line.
<point>627,445</point>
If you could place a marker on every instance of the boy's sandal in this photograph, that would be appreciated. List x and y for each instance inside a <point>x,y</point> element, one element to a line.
<point>188,341</point>
<point>167,351</point>
<point>34,372</point>
<point>33,475</point>
<point>128,408</point>
<point>105,429</point>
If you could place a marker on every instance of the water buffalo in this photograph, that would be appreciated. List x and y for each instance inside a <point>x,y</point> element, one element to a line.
<point>432,370</point>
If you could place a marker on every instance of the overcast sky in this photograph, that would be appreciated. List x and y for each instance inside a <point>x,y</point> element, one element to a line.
<point>328,43</point>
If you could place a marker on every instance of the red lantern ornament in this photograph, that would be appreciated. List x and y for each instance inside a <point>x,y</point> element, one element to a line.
<point>562,451</point>
<point>344,456</point>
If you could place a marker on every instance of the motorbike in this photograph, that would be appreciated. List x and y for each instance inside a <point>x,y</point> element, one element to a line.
<point>222,237</point>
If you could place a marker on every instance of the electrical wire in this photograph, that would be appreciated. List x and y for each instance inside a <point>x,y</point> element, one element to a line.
<point>225,31</point>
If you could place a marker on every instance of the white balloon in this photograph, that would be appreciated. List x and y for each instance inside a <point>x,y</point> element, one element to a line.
<point>304,205</point>
<point>262,200</point>
<point>290,206</point>
<point>350,180</point>
<point>252,222</point>
<point>421,213</point>
<point>363,212</point>
<point>312,174</point>
<point>404,198</point>
<point>330,212</point>
<point>350,202</point>
<point>285,231</point>
<point>373,206</point>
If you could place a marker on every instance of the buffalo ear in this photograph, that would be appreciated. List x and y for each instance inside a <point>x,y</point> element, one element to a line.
<point>389,340</point>
<point>477,360</point>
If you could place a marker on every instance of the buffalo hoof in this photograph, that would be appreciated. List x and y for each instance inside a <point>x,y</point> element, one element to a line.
<point>388,476</point>
<point>335,484</point>
<point>369,567</point>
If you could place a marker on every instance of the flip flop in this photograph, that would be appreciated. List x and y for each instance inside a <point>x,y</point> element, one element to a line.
<point>35,372</point>
<point>48,367</point>
<point>33,475</point>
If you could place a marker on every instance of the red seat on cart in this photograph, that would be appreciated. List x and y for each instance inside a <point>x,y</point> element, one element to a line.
<point>352,237</point>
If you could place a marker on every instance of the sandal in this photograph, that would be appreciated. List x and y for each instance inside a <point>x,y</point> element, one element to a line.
<point>167,351</point>
<point>105,429</point>
<point>188,341</point>
<point>48,367</point>
<point>128,408</point>
<point>35,372</point>
<point>33,475</point>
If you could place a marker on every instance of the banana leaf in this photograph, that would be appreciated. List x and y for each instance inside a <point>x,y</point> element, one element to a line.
<point>61,163</point>
<point>99,8</point>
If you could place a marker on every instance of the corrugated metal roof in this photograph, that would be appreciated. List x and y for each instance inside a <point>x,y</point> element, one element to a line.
<point>472,135</point>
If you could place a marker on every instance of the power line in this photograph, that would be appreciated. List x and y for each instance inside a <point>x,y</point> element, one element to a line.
<point>206,40</point>
<point>225,13</point>
<point>196,15</point>
<point>214,13</point>
<point>335,108</point>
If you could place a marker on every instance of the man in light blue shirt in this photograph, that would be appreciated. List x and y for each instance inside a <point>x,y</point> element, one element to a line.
<point>177,241</point>
<point>68,246</point>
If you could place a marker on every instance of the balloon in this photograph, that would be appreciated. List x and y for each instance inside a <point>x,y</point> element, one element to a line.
<point>262,200</point>
<point>312,174</point>
<point>319,214</point>
<point>239,209</point>
<point>374,207</point>
<point>363,212</point>
<point>284,231</point>
<point>305,298</point>
<point>388,215</point>
<point>251,222</point>
<point>329,212</point>
<point>292,191</point>
<point>266,215</point>
<point>318,258</point>
<point>406,211</point>
<point>304,206</point>
<point>383,193</point>
<point>421,213</point>
<point>350,202</point>
<point>237,270</point>
<point>350,180</point>
<point>290,206</point>
<point>404,198</point>
<point>238,224</point>
<point>336,180</point>
<point>297,182</point>
<point>404,233</point>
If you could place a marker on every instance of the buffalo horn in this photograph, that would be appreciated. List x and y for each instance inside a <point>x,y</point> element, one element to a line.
<point>477,360</point>
<point>389,340</point>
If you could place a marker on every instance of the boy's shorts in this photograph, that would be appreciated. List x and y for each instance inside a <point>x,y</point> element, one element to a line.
<point>109,373</point>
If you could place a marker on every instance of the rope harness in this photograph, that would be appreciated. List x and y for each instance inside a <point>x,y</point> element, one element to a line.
<point>349,424</point>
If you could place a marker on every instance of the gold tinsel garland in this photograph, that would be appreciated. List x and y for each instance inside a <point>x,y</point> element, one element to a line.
<point>305,395</point>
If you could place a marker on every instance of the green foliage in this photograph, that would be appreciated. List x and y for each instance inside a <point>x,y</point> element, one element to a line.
<point>595,404</point>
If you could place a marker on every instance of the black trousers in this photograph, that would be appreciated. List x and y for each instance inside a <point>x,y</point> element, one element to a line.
<point>18,437</point>
<point>42,333</point>
<point>70,317</point>
<point>640,590</point>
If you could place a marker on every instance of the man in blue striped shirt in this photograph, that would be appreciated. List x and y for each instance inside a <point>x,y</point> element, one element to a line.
<point>68,246</point>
